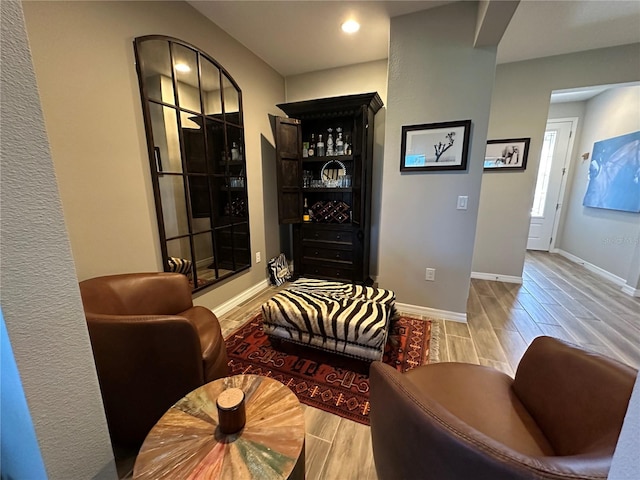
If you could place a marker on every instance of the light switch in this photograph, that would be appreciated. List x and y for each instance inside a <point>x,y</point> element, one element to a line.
<point>462,202</point>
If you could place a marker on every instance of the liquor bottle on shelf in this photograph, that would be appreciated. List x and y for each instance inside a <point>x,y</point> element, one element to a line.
<point>330,151</point>
<point>312,146</point>
<point>320,146</point>
<point>305,212</point>
<point>347,145</point>
<point>339,142</point>
<point>305,149</point>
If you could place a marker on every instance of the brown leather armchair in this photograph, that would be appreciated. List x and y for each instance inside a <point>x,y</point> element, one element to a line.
<point>559,418</point>
<point>151,347</point>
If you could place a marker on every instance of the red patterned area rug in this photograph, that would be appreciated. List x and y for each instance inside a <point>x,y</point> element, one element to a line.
<point>330,382</point>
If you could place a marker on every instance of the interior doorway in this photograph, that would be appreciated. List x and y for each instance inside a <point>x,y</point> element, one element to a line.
<point>552,176</point>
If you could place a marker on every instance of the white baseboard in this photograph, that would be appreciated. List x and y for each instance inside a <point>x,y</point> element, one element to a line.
<point>204,263</point>
<point>628,289</point>
<point>241,297</point>
<point>496,277</point>
<point>432,312</point>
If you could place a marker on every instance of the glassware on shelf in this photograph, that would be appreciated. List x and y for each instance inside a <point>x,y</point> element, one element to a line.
<point>307,176</point>
<point>237,182</point>
<point>345,181</point>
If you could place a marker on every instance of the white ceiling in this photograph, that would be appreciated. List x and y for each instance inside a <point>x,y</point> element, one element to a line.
<point>303,36</point>
<point>584,93</point>
<point>544,28</point>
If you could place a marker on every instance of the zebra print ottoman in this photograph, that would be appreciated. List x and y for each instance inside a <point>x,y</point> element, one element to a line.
<point>348,319</point>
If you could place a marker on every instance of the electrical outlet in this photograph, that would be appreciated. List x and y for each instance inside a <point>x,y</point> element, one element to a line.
<point>258,257</point>
<point>430,274</point>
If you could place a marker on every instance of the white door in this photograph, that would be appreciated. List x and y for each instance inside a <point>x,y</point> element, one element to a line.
<point>554,162</point>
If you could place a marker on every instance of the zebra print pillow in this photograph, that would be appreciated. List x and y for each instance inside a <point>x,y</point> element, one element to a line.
<point>278,270</point>
<point>180,265</point>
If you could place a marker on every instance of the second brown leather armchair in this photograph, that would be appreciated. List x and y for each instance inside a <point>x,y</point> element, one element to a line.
<point>560,417</point>
<point>151,347</point>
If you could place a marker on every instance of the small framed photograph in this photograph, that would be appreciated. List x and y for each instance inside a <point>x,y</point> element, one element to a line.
<point>506,155</point>
<point>435,146</point>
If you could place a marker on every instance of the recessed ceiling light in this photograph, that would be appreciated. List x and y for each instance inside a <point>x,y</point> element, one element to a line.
<point>181,67</point>
<point>350,26</point>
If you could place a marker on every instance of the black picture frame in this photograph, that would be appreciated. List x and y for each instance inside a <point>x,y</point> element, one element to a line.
<point>499,155</point>
<point>435,146</point>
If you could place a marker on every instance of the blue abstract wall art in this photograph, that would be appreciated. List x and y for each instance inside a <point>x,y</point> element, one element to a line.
<point>614,174</point>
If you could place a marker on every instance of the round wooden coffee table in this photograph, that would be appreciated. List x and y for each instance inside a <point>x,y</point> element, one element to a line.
<point>186,443</point>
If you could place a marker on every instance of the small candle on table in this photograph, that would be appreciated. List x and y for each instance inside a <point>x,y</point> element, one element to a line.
<point>231,412</point>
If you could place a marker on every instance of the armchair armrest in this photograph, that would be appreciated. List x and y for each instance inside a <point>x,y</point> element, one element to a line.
<point>137,294</point>
<point>414,436</point>
<point>577,398</point>
<point>153,359</point>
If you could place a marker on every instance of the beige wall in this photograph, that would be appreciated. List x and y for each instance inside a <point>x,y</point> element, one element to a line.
<point>359,78</point>
<point>519,108</point>
<point>40,297</point>
<point>435,75</point>
<point>566,110</point>
<point>84,61</point>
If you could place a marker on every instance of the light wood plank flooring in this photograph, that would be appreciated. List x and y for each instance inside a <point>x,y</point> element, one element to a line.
<point>557,298</point>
